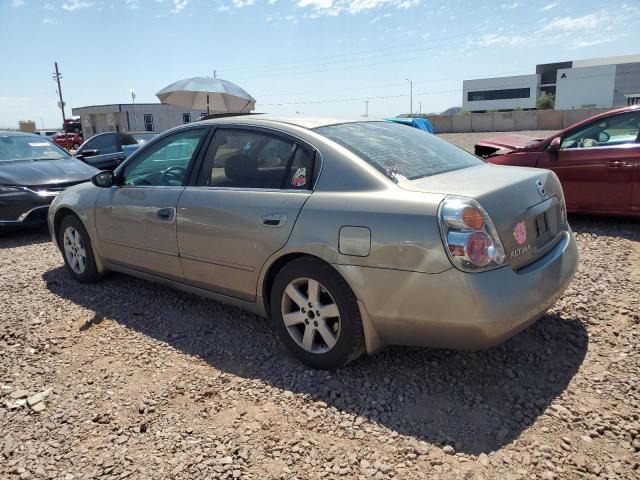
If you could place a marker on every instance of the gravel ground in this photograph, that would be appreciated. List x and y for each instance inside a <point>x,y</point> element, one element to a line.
<point>141,381</point>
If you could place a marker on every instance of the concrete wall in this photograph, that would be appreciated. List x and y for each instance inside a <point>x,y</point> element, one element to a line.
<point>512,121</point>
<point>627,82</point>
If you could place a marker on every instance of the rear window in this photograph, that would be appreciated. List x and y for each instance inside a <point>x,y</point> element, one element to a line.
<point>399,151</point>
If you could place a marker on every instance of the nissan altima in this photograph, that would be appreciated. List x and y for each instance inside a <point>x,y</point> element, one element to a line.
<point>348,235</point>
<point>33,171</point>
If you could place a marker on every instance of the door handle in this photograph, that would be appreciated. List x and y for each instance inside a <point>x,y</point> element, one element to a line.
<point>616,164</point>
<point>165,214</point>
<point>273,219</point>
<point>119,159</point>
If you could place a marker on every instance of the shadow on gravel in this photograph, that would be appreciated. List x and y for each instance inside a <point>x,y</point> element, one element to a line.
<point>475,401</point>
<point>627,228</point>
<point>23,237</point>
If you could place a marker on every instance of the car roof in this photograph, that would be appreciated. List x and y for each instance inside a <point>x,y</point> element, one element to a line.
<point>299,121</point>
<point>15,133</point>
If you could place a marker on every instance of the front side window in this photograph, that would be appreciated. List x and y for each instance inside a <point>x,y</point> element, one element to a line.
<point>612,131</point>
<point>246,159</point>
<point>399,151</point>
<point>105,144</point>
<point>165,162</point>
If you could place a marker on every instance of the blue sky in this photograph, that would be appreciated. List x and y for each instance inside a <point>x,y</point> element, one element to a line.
<point>315,57</point>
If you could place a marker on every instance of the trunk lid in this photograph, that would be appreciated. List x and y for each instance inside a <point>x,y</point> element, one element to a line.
<point>524,204</point>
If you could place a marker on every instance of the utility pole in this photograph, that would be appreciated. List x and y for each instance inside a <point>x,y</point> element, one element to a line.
<point>420,107</point>
<point>366,108</point>
<point>410,97</point>
<point>135,115</point>
<point>57,76</point>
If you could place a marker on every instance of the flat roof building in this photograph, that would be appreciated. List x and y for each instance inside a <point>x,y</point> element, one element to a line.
<point>597,82</point>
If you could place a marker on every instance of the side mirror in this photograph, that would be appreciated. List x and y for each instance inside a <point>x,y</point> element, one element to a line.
<point>88,153</point>
<point>103,179</point>
<point>554,146</point>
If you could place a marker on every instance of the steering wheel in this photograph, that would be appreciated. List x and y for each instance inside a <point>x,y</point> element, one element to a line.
<point>172,174</point>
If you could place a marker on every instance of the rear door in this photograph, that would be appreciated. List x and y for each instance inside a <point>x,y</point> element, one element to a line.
<point>136,221</point>
<point>249,191</point>
<point>596,164</point>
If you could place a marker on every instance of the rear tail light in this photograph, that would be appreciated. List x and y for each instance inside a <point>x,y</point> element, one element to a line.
<point>469,235</point>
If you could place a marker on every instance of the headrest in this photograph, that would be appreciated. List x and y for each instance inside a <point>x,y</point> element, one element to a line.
<point>241,167</point>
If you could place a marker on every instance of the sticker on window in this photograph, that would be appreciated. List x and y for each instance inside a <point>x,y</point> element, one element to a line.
<point>299,177</point>
<point>38,144</point>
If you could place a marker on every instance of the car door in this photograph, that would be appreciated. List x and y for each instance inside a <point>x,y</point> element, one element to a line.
<point>136,220</point>
<point>249,192</point>
<point>103,151</point>
<point>596,164</point>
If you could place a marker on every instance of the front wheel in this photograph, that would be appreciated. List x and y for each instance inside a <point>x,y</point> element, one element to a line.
<point>316,314</point>
<point>76,250</point>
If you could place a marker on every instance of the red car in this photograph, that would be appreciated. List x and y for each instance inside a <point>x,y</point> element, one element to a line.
<point>70,141</point>
<point>597,161</point>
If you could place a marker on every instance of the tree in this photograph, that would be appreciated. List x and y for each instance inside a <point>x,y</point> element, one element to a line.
<point>546,102</point>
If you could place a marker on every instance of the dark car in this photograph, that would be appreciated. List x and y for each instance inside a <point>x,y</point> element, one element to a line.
<point>106,151</point>
<point>597,161</point>
<point>69,141</point>
<point>33,171</point>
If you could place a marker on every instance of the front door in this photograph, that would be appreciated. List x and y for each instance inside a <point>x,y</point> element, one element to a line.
<point>596,164</point>
<point>249,192</point>
<point>136,220</point>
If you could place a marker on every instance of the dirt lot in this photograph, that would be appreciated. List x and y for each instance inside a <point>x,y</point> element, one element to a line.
<point>151,383</point>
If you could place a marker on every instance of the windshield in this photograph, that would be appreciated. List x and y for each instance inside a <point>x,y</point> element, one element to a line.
<point>29,147</point>
<point>399,151</point>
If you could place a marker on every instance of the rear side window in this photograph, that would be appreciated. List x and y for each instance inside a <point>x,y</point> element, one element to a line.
<point>251,159</point>
<point>106,143</point>
<point>399,151</point>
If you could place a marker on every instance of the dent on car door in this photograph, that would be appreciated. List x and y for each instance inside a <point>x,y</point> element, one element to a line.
<point>136,220</point>
<point>248,195</point>
<point>595,164</point>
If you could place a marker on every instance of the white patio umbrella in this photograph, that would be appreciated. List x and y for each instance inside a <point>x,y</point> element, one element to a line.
<point>214,94</point>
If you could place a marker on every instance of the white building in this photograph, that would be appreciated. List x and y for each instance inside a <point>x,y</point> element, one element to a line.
<point>127,117</point>
<point>597,82</point>
<point>500,93</point>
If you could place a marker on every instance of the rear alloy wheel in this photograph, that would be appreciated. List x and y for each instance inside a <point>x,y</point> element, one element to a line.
<point>316,314</point>
<point>76,249</point>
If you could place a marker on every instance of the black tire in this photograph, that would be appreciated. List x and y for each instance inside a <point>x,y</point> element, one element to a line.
<point>90,273</point>
<point>350,342</point>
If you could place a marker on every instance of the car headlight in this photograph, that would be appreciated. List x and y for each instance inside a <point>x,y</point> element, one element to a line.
<point>470,238</point>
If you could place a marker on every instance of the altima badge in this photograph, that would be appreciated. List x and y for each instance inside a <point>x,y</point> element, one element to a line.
<point>540,187</point>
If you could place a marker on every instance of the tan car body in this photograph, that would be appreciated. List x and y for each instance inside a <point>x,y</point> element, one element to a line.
<point>382,237</point>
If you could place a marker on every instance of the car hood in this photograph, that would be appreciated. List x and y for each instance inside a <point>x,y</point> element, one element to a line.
<point>511,142</point>
<point>45,172</point>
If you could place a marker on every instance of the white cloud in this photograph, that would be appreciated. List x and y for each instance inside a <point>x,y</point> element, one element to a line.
<point>17,3</point>
<point>589,21</point>
<point>243,3</point>
<point>73,5</point>
<point>132,4</point>
<point>50,21</point>
<point>510,6</point>
<point>498,40</point>
<point>48,6</point>
<point>336,7</point>
<point>222,8</point>
<point>548,6</point>
<point>179,5</point>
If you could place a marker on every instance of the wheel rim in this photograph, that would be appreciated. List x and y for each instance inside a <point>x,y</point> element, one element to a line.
<point>74,250</point>
<point>311,315</point>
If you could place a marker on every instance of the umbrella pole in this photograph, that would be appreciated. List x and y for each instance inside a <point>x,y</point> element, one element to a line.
<point>207,104</point>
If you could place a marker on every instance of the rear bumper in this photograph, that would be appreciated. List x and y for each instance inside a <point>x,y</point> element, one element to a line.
<point>459,310</point>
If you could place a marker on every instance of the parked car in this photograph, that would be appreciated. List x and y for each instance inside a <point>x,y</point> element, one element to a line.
<point>69,141</point>
<point>420,123</point>
<point>597,161</point>
<point>106,151</point>
<point>349,235</point>
<point>33,171</point>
